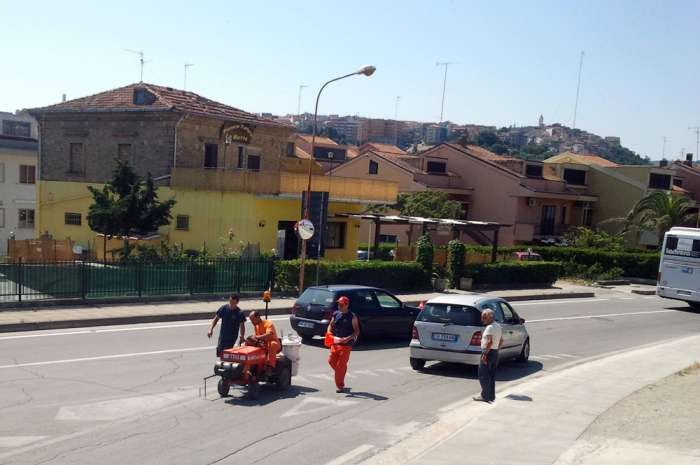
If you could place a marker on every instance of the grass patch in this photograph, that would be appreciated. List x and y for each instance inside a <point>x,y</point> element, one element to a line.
<point>689,369</point>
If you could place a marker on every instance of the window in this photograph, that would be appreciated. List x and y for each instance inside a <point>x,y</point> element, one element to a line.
<point>435,167</point>
<point>507,313</point>
<point>563,215</point>
<point>254,162</point>
<point>75,219</point>
<point>26,218</point>
<point>27,174</point>
<point>240,158</point>
<point>659,181</point>
<point>533,171</point>
<point>290,149</point>
<point>124,152</point>
<point>388,238</point>
<point>14,128</point>
<point>373,167</point>
<point>335,235</point>
<point>183,222</point>
<point>678,182</point>
<point>575,177</point>
<point>386,301</point>
<point>2,217</point>
<point>211,153</point>
<point>77,158</point>
<point>2,172</point>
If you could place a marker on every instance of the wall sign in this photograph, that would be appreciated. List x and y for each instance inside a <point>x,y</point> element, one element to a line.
<point>239,133</point>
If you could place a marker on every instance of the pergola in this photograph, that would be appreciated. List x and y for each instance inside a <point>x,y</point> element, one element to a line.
<point>456,226</point>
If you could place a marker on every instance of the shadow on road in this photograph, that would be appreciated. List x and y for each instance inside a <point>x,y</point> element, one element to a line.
<point>507,371</point>
<point>239,396</point>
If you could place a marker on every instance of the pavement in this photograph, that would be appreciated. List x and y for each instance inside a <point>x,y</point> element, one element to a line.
<point>541,420</point>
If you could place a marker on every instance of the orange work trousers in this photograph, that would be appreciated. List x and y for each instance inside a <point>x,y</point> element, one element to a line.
<point>338,360</point>
<point>272,347</point>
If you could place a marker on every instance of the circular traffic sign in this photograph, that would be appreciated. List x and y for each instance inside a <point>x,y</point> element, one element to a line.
<point>304,229</point>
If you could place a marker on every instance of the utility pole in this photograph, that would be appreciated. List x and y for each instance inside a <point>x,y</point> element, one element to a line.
<point>299,104</point>
<point>663,150</point>
<point>577,89</point>
<point>184,85</point>
<point>697,139</point>
<point>444,84</point>
<point>396,111</point>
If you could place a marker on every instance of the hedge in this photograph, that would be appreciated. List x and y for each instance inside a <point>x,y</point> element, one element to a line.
<point>396,276</point>
<point>384,251</point>
<point>514,272</point>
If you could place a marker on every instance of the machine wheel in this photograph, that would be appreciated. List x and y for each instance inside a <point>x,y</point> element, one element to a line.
<point>417,363</point>
<point>223,387</point>
<point>254,390</point>
<point>524,353</point>
<point>283,379</point>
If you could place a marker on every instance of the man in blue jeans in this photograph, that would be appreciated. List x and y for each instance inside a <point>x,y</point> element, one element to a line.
<point>232,325</point>
<point>491,342</point>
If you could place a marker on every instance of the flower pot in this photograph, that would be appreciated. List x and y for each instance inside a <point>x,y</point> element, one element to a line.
<point>439,284</point>
<point>465,283</point>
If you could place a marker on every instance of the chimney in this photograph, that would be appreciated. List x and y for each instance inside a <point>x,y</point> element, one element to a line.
<point>688,159</point>
<point>64,97</point>
<point>663,163</point>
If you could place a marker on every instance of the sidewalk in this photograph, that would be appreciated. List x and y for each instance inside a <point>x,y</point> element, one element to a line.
<point>86,314</point>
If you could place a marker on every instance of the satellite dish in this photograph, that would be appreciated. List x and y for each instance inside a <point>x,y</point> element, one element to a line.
<point>304,229</point>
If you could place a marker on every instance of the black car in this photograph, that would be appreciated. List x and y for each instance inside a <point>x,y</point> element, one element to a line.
<point>380,312</point>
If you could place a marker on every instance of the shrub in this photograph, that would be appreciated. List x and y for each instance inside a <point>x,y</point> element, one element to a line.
<point>456,254</point>
<point>515,272</point>
<point>425,253</point>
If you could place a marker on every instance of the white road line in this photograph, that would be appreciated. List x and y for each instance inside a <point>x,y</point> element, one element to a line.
<point>598,316</point>
<point>555,356</point>
<point>626,298</point>
<point>552,302</point>
<point>107,357</point>
<point>365,372</point>
<point>652,297</point>
<point>351,455</point>
<point>567,355</point>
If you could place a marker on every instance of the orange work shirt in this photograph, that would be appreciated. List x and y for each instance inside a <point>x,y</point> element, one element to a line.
<point>264,327</point>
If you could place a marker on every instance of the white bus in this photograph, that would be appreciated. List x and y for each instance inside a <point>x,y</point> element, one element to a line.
<point>679,270</point>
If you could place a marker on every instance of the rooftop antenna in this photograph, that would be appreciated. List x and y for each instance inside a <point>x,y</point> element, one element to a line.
<point>396,111</point>
<point>577,88</point>
<point>444,83</point>
<point>184,85</point>
<point>142,62</point>
<point>663,151</point>
<point>697,138</point>
<point>299,104</point>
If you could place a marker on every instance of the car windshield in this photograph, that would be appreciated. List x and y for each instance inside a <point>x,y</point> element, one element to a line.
<point>317,297</point>
<point>460,315</point>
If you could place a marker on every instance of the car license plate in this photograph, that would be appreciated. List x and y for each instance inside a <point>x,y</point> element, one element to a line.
<point>304,324</point>
<point>445,337</point>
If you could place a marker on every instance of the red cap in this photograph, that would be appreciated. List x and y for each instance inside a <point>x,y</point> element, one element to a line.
<point>343,300</point>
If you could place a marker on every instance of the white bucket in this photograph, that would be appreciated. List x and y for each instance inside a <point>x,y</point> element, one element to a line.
<point>290,349</point>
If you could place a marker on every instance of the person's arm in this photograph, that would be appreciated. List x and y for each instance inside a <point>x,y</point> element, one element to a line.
<point>213,324</point>
<point>267,335</point>
<point>355,331</point>
<point>500,343</point>
<point>331,326</point>
<point>241,331</point>
<point>489,343</point>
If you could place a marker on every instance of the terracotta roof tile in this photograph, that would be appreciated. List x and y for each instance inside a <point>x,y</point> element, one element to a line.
<point>596,159</point>
<point>377,147</point>
<point>160,98</point>
<point>319,142</point>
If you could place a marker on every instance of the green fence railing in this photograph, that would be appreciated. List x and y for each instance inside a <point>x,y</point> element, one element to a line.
<point>89,279</point>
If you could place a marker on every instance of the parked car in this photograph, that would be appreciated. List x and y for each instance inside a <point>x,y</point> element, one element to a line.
<point>362,255</point>
<point>526,256</point>
<point>380,313</point>
<point>449,329</point>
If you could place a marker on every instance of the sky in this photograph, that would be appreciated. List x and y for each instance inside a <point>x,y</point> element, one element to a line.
<point>511,61</point>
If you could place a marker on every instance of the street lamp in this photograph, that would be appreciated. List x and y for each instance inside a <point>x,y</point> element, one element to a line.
<point>367,71</point>
<point>330,158</point>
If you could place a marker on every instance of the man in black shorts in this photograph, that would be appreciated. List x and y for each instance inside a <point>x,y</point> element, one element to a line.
<point>232,323</point>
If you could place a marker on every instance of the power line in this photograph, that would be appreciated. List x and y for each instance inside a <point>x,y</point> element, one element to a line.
<point>444,83</point>
<point>577,89</point>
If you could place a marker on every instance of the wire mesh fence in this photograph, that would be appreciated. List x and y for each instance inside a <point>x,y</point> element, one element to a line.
<point>84,279</point>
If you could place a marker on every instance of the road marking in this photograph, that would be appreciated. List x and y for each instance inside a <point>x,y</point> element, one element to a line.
<point>567,355</point>
<point>554,356</point>
<point>652,297</point>
<point>111,410</point>
<point>388,370</point>
<point>552,302</point>
<point>626,298</point>
<point>320,404</point>
<point>597,316</point>
<point>351,455</point>
<point>106,357</point>
<point>322,376</point>
<point>366,372</point>
<point>17,441</point>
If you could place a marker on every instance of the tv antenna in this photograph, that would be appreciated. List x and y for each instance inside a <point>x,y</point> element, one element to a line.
<point>396,112</point>
<point>142,62</point>
<point>444,83</point>
<point>184,85</point>
<point>577,89</point>
<point>663,151</point>
<point>299,104</point>
<point>697,139</point>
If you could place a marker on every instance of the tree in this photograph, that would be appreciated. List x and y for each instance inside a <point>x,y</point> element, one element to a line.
<point>657,213</point>
<point>427,204</point>
<point>486,138</point>
<point>125,207</point>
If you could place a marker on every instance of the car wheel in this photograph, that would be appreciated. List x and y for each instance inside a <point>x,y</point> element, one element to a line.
<point>306,339</point>
<point>694,304</point>
<point>524,353</point>
<point>417,363</point>
<point>223,387</point>
<point>254,390</point>
<point>284,379</point>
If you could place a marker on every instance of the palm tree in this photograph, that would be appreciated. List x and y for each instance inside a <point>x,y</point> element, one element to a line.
<point>657,213</point>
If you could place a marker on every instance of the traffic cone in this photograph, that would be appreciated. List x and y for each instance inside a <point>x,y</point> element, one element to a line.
<point>420,305</point>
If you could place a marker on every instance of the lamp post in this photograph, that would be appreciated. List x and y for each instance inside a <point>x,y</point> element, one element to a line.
<point>367,71</point>
<point>330,158</point>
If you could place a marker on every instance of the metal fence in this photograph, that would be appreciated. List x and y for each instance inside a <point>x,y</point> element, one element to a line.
<point>84,279</point>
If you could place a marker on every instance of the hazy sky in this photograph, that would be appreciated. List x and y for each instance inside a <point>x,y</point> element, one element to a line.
<point>512,60</point>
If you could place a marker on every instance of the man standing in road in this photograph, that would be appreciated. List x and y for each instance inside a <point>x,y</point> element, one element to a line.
<point>491,342</point>
<point>232,323</point>
<point>266,337</point>
<point>345,326</point>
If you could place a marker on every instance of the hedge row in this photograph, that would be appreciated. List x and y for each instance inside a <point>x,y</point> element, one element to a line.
<point>514,272</point>
<point>396,276</point>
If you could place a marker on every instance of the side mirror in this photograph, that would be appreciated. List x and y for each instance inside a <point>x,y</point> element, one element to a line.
<point>521,321</point>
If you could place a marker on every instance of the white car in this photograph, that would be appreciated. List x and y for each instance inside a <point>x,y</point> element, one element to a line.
<point>449,329</point>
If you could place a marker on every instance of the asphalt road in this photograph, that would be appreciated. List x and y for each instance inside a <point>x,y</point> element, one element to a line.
<point>134,393</point>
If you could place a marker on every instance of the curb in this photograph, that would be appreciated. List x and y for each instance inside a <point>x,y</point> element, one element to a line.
<point>643,292</point>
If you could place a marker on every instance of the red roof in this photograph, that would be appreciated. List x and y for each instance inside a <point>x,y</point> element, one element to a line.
<point>158,98</point>
<point>595,159</point>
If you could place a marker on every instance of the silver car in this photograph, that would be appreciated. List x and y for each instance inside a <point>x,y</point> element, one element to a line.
<point>449,329</point>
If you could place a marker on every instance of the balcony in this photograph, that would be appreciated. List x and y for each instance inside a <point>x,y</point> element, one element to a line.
<point>441,181</point>
<point>283,184</point>
<point>529,231</point>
